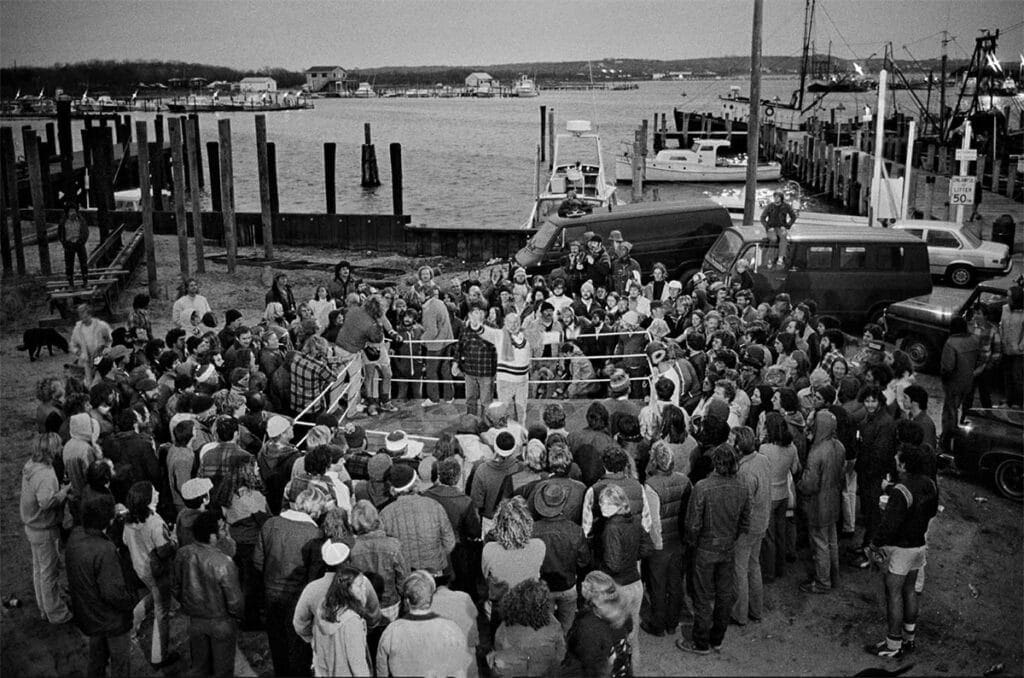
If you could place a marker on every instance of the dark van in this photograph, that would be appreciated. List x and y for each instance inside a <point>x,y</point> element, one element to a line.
<point>851,271</point>
<point>674,233</point>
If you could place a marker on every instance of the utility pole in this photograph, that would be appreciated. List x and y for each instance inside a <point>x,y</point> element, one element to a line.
<point>942,88</point>
<point>754,121</point>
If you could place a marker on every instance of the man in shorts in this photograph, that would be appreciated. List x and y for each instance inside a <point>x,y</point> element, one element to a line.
<point>899,547</point>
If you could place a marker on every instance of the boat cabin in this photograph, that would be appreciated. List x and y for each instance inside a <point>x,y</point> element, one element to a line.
<point>702,152</point>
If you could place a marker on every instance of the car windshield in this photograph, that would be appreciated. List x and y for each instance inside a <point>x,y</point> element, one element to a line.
<point>973,241</point>
<point>724,251</point>
<point>542,239</point>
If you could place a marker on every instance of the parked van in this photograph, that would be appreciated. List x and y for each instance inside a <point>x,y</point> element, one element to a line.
<point>676,234</point>
<point>852,272</point>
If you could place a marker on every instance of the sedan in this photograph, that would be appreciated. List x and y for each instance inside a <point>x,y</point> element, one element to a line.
<point>957,254</point>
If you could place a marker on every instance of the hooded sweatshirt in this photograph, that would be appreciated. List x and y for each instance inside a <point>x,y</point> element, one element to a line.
<point>275,464</point>
<point>339,647</point>
<point>822,482</point>
<point>81,450</point>
<point>41,498</point>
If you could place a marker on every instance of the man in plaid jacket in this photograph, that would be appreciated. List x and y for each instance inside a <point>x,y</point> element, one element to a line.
<point>476,358</point>
<point>310,375</point>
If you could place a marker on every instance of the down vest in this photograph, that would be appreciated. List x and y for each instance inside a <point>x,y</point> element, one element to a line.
<point>673,492</point>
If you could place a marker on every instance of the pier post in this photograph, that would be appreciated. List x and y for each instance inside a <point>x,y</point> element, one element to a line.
<point>157,163</point>
<point>638,169</point>
<point>67,168</point>
<point>227,185</point>
<point>213,162</point>
<point>551,138</point>
<point>543,129</point>
<point>330,154</point>
<point>396,179</point>
<point>5,236</point>
<point>50,147</point>
<point>178,177</point>
<point>195,170</point>
<point>183,121</point>
<point>371,177</point>
<point>146,191</point>
<point>31,147</point>
<point>13,207</point>
<point>263,168</point>
<point>275,203</point>
<point>193,119</point>
<point>101,145</point>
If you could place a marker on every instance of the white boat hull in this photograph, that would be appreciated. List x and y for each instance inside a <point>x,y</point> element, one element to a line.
<point>693,172</point>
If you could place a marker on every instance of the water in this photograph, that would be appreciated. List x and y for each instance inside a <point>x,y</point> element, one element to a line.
<point>467,162</point>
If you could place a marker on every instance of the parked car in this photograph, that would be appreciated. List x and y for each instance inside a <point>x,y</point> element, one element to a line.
<point>957,254</point>
<point>990,443</point>
<point>920,326</point>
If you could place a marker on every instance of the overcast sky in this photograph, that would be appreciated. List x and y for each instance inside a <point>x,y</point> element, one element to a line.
<point>248,34</point>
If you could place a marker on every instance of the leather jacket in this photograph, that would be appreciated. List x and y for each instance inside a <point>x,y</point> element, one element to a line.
<point>205,582</point>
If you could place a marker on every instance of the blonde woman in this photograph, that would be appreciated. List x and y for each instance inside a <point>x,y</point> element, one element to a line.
<point>599,642</point>
<point>514,555</point>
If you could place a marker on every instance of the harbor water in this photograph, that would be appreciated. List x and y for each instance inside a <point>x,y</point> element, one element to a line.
<point>467,162</point>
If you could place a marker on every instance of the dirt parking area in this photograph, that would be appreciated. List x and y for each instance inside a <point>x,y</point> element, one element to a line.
<point>971,610</point>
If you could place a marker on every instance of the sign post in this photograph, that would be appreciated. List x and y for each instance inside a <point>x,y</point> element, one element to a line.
<point>964,155</point>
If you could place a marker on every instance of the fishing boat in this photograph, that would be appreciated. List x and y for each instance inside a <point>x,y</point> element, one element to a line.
<point>576,164</point>
<point>364,91</point>
<point>703,161</point>
<point>484,90</point>
<point>525,87</point>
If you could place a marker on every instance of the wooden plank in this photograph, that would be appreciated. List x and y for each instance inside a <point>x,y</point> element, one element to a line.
<point>11,181</point>
<point>141,133</point>
<point>178,177</point>
<point>227,187</point>
<point>35,175</point>
<point>195,173</point>
<point>263,167</point>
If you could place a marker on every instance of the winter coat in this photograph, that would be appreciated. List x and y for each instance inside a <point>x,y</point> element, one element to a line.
<point>41,496</point>
<point>339,647</point>
<point>961,358</point>
<point>100,599</point>
<point>822,482</point>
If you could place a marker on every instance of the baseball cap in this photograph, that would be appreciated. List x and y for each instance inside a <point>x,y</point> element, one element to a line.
<point>277,425</point>
<point>195,488</point>
<point>615,236</point>
<point>334,553</point>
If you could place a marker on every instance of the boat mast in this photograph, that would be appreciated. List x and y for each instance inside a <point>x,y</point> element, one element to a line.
<point>754,121</point>
<point>808,30</point>
<point>942,89</point>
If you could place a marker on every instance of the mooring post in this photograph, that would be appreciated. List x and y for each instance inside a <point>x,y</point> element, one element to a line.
<point>330,153</point>
<point>264,172</point>
<point>5,237</point>
<point>551,138</point>
<point>193,119</point>
<point>275,203</point>
<point>543,129</point>
<point>146,190</point>
<point>195,170</point>
<point>30,145</point>
<point>371,177</point>
<point>227,186</point>
<point>213,162</point>
<point>157,163</point>
<point>67,167</point>
<point>101,145</point>
<point>13,206</point>
<point>50,147</point>
<point>396,179</point>
<point>178,177</point>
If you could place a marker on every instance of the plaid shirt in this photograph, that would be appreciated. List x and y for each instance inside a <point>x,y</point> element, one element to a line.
<point>309,377</point>
<point>988,340</point>
<point>476,356</point>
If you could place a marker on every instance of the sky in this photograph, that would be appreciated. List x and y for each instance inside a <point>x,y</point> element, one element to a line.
<point>250,34</point>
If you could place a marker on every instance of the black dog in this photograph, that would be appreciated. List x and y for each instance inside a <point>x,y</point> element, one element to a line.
<point>36,338</point>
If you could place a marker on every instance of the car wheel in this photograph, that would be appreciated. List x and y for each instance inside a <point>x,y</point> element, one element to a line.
<point>960,275</point>
<point>919,350</point>
<point>1009,477</point>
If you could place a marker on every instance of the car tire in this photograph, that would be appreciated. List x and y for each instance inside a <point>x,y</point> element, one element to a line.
<point>920,351</point>
<point>1009,478</point>
<point>960,275</point>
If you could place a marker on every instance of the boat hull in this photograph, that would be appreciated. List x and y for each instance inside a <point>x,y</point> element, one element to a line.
<point>691,172</point>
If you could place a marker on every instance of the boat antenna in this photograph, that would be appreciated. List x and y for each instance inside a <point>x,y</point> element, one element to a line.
<point>593,98</point>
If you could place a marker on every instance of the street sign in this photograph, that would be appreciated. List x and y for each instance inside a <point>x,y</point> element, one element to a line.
<point>967,154</point>
<point>961,191</point>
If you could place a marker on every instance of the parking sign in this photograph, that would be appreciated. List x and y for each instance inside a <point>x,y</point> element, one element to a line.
<point>961,190</point>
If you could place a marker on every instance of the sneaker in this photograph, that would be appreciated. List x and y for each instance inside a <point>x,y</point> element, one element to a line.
<point>882,649</point>
<point>428,403</point>
<point>450,401</point>
<point>688,646</point>
<point>372,411</point>
<point>814,587</point>
<point>651,630</point>
<point>388,406</point>
<point>717,648</point>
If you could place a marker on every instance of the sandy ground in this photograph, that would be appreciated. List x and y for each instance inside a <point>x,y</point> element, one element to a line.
<point>971,615</point>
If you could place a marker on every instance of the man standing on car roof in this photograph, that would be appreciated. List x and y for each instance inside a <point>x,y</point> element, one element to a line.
<point>777,218</point>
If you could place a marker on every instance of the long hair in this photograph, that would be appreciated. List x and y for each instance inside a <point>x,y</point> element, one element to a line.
<point>673,425</point>
<point>527,604</point>
<point>46,446</point>
<point>513,524</point>
<point>776,430</point>
<point>662,462</point>
<point>140,496</point>
<point>601,595</point>
<point>340,596</point>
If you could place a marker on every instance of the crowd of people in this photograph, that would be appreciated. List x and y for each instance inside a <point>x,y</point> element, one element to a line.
<point>224,472</point>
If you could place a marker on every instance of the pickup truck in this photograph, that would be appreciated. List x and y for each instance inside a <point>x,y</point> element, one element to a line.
<point>920,326</point>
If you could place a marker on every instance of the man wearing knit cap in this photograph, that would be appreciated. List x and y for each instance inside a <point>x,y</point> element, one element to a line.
<point>618,402</point>
<point>232,320</point>
<point>418,522</point>
<point>586,304</point>
<point>485,490</point>
<point>598,264</point>
<point>275,460</point>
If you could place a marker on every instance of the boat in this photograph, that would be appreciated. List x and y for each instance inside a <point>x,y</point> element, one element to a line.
<point>364,91</point>
<point>703,161</point>
<point>484,91</point>
<point>576,164</point>
<point>525,87</point>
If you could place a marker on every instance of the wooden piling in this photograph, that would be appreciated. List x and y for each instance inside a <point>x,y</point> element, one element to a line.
<point>396,178</point>
<point>371,175</point>
<point>49,149</point>
<point>195,170</point>
<point>275,203</point>
<point>193,119</point>
<point>330,161</point>
<point>147,209</point>
<point>31,148</point>
<point>101,176</point>
<point>5,236</point>
<point>638,169</point>
<point>64,139</point>
<point>213,158</point>
<point>543,129</point>
<point>178,177</point>
<point>157,163</point>
<point>551,138</point>
<point>264,178</point>
<point>13,207</point>
<point>227,185</point>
